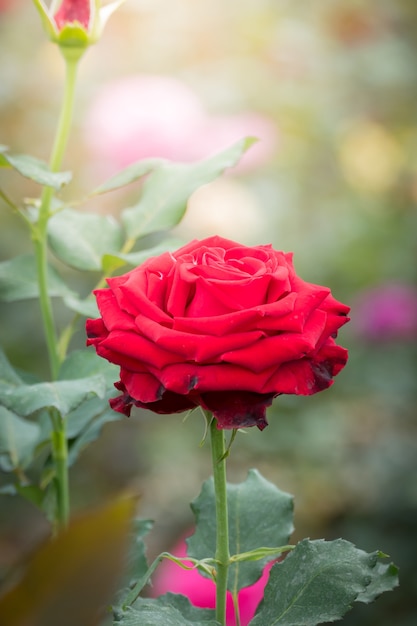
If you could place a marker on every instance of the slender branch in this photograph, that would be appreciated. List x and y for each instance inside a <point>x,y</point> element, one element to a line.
<point>222,556</point>
<point>9,202</point>
<point>39,233</point>
<point>64,124</point>
<point>235,597</point>
<point>206,565</point>
<point>66,336</point>
<point>40,239</point>
<point>45,303</point>
<point>60,456</point>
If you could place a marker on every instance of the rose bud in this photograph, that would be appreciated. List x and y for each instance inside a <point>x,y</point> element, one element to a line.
<point>77,23</point>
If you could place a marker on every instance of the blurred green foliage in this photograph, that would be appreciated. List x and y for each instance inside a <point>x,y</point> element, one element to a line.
<point>339,82</point>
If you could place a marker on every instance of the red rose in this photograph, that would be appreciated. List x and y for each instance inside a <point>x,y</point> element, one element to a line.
<point>220,325</point>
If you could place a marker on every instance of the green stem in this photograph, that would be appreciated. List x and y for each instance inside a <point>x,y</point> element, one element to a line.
<point>218,448</point>
<point>64,124</point>
<point>40,232</point>
<point>40,237</point>
<point>60,456</point>
<point>45,303</point>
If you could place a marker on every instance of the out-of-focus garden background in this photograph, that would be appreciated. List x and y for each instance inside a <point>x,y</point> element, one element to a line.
<point>331,90</point>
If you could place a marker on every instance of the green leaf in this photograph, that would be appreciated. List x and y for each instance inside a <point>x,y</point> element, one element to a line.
<point>87,421</point>
<point>385,579</point>
<point>18,440</point>
<point>36,170</point>
<point>137,565</point>
<point>86,307</point>
<point>317,583</point>
<point>112,262</point>
<point>64,395</point>
<point>166,191</point>
<point>71,578</point>
<point>80,419</point>
<point>187,610</point>
<point>83,363</point>
<point>259,515</point>
<point>169,610</point>
<point>130,174</point>
<point>32,493</point>
<point>81,239</point>
<point>19,281</point>
<point>7,372</point>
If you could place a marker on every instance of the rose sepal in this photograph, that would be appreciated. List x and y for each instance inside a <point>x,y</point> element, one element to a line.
<point>103,14</point>
<point>47,21</point>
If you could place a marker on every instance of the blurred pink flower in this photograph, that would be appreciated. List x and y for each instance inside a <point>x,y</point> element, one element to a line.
<point>386,312</point>
<point>5,5</point>
<point>146,116</point>
<point>201,591</point>
<point>221,131</point>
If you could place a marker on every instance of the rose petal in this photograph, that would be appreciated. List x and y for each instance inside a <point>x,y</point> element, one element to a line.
<point>113,317</point>
<point>267,317</point>
<point>133,351</point>
<point>96,331</point>
<point>182,377</point>
<point>237,409</point>
<point>308,376</point>
<point>278,349</point>
<point>141,386</point>
<point>198,348</point>
<point>214,297</point>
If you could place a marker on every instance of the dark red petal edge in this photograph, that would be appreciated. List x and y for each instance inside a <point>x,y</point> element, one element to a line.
<point>231,409</point>
<point>237,409</point>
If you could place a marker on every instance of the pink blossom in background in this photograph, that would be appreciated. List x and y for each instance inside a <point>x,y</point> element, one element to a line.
<point>145,116</point>
<point>201,591</point>
<point>221,131</point>
<point>386,312</point>
<point>6,4</point>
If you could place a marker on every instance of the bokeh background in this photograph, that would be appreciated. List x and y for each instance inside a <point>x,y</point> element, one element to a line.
<point>331,89</point>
